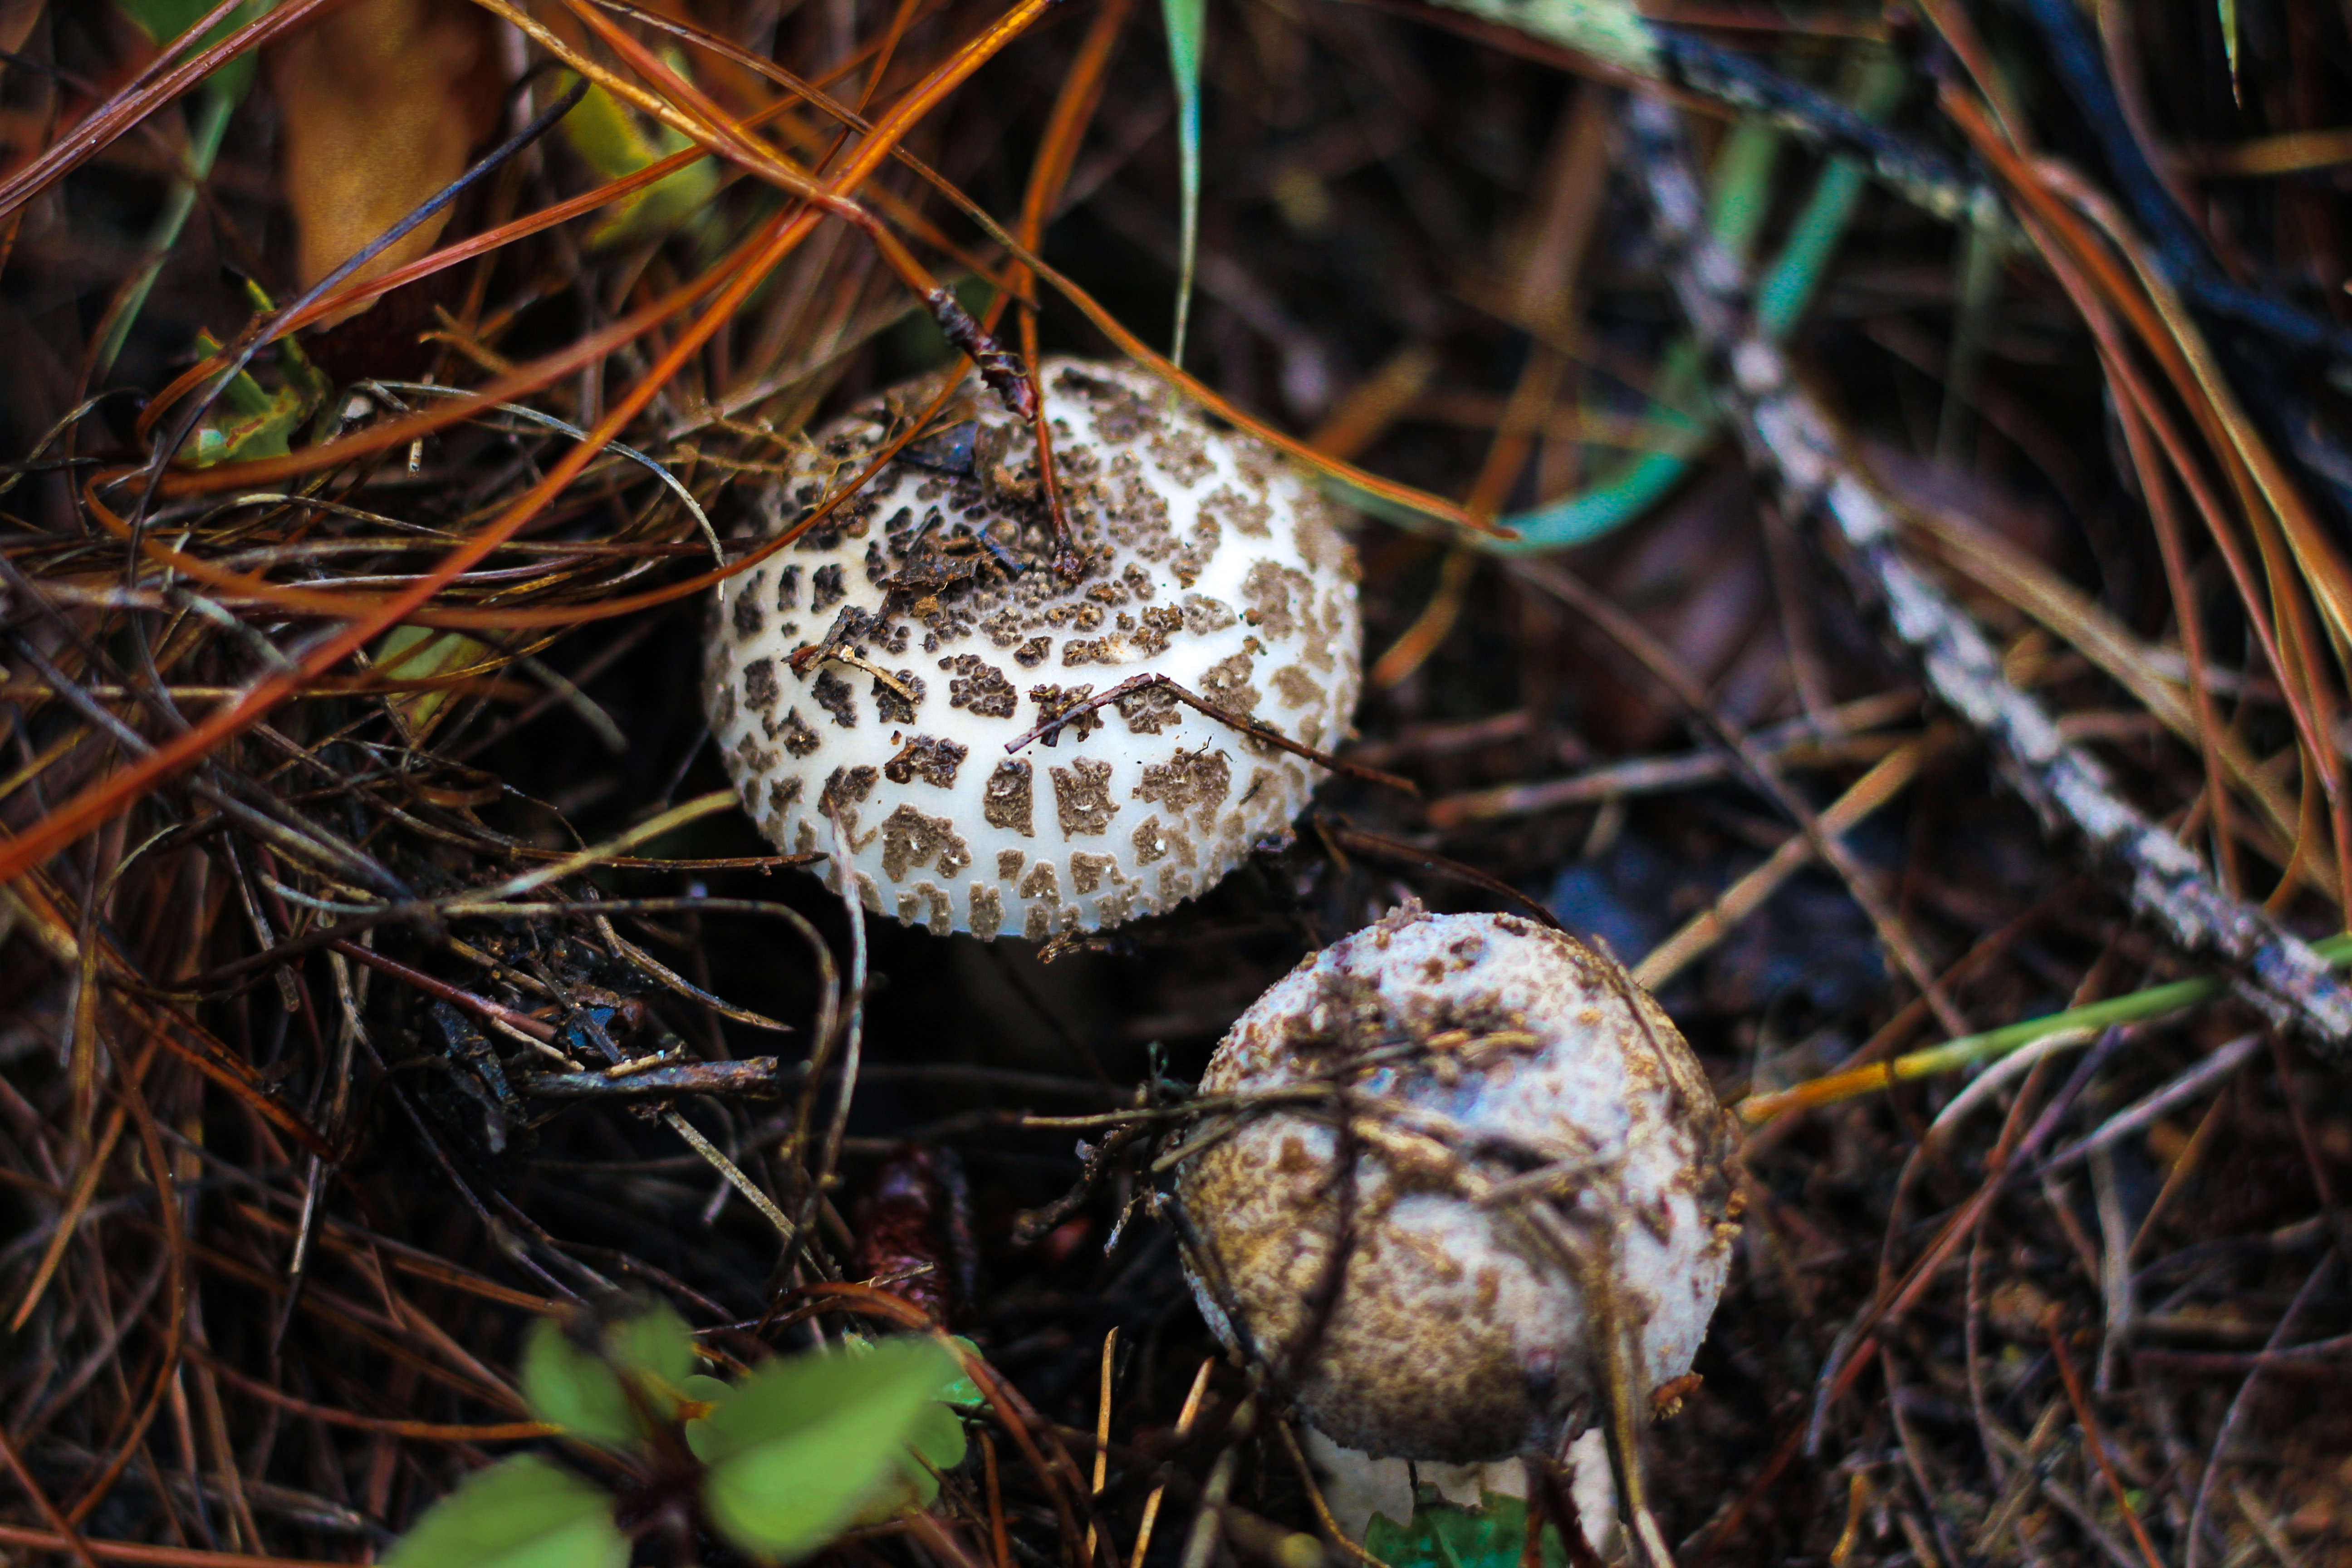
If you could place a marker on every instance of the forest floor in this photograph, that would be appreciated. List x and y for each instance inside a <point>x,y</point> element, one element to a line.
<point>269,1250</point>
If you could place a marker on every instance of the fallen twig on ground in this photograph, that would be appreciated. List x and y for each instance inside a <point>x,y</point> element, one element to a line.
<point>1788,437</point>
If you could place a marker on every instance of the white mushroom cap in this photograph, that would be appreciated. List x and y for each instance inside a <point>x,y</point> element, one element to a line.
<point>1468,1051</point>
<point>1206,559</point>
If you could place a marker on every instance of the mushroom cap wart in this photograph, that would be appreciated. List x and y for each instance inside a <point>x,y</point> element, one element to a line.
<point>943,633</point>
<point>1467,1051</point>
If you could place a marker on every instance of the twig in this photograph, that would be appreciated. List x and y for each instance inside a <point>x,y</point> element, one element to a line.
<point>1921,177</point>
<point>489,1011</point>
<point>1702,930</point>
<point>1184,1420</point>
<point>1788,437</point>
<point>1828,733</point>
<point>2093,1440</point>
<point>1343,834</point>
<point>748,1076</point>
<point>1250,727</point>
<point>1097,1161</point>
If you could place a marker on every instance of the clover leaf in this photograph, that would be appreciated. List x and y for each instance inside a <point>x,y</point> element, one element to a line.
<point>579,1387</point>
<point>523,1512</point>
<point>803,1447</point>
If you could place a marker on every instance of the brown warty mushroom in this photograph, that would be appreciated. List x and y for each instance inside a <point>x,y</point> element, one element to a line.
<point>1531,1156</point>
<point>877,668</point>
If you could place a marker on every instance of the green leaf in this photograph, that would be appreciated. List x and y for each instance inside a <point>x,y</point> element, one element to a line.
<point>235,440</point>
<point>616,144</point>
<point>1445,1535</point>
<point>421,653</point>
<point>798,1450</point>
<point>257,422</point>
<point>524,1513</point>
<point>936,1444</point>
<point>569,1386</point>
<point>960,1391</point>
<point>653,1341</point>
<point>938,1438</point>
<point>1185,21</point>
<point>1611,30</point>
<point>580,1388</point>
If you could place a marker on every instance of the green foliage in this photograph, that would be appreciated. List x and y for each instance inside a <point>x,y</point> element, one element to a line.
<point>960,1391</point>
<point>164,20</point>
<point>1445,1535</point>
<point>523,1512</point>
<point>421,653</point>
<point>251,420</point>
<point>584,1387</point>
<point>1611,30</point>
<point>935,1443</point>
<point>783,1462</point>
<point>616,144</point>
<point>2229,17</point>
<point>804,1447</point>
<point>1185,21</point>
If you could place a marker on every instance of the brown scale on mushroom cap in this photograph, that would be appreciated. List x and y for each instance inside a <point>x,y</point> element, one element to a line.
<point>1471,1051</point>
<point>877,669</point>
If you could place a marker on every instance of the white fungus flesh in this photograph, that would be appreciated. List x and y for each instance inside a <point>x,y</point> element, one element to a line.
<point>876,670</point>
<point>1534,1153</point>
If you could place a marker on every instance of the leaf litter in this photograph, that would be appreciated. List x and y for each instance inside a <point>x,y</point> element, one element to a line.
<point>383,972</point>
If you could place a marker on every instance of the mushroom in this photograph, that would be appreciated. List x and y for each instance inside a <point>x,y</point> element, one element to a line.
<point>1537,1204</point>
<point>881,670</point>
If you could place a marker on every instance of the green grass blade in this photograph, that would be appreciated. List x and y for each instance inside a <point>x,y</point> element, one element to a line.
<point>1740,198</point>
<point>1185,20</point>
<point>2229,48</point>
<point>1611,30</point>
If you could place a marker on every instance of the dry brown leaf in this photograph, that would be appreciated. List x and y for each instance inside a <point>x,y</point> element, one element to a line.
<point>380,103</point>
